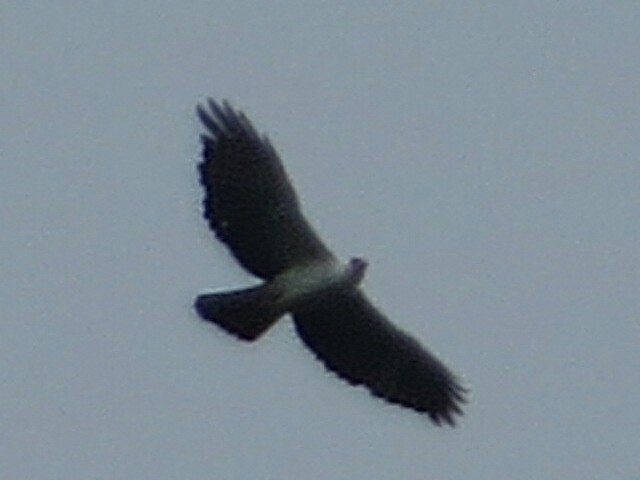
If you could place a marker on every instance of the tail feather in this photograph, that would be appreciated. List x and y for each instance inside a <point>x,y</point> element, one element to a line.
<point>246,313</point>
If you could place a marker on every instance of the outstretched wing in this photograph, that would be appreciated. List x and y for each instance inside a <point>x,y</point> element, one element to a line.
<point>249,202</point>
<point>359,344</point>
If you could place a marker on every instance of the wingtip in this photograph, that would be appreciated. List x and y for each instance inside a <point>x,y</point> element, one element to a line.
<point>215,106</point>
<point>447,417</point>
<point>210,122</point>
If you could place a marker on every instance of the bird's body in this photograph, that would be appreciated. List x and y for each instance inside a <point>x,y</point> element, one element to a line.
<point>308,280</point>
<point>252,208</point>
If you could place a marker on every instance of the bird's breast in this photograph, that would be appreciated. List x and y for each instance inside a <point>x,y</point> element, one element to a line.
<point>308,280</point>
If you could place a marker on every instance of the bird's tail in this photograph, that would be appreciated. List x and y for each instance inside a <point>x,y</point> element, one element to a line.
<point>246,313</point>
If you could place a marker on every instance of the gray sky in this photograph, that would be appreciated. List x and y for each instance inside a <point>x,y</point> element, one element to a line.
<point>483,156</point>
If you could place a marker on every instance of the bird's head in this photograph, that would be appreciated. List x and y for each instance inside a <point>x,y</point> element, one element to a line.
<point>356,270</point>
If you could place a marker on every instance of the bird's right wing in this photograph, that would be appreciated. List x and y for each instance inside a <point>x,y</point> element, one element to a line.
<point>249,202</point>
<point>359,344</point>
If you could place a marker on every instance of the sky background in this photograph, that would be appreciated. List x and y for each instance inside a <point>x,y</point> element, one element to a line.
<point>483,156</point>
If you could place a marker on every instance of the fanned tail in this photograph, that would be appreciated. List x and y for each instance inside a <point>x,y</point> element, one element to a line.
<point>247,313</point>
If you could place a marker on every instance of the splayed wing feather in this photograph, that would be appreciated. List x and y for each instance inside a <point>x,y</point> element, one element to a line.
<point>359,344</point>
<point>249,202</point>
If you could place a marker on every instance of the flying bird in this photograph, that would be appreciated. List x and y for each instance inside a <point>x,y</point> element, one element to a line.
<point>252,207</point>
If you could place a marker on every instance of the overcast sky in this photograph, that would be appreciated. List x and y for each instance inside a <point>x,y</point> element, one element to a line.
<point>483,156</point>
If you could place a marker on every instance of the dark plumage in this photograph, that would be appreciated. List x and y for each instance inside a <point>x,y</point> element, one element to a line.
<point>249,202</point>
<point>252,207</point>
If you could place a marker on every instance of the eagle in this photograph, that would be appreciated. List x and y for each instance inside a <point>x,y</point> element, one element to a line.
<point>251,206</point>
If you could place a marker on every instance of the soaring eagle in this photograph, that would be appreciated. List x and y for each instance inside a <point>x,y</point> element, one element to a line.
<point>252,207</point>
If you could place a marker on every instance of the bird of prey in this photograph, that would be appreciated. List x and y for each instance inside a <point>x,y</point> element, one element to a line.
<point>252,207</point>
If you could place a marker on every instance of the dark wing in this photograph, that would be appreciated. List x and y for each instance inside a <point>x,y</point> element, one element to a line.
<point>359,344</point>
<point>249,202</point>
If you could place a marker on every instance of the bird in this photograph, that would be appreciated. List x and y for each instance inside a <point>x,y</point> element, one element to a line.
<point>251,206</point>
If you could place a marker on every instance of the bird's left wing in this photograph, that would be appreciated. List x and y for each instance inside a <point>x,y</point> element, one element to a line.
<point>249,202</point>
<point>359,344</point>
